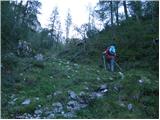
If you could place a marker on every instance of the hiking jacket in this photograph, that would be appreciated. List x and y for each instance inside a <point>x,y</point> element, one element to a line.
<point>109,56</point>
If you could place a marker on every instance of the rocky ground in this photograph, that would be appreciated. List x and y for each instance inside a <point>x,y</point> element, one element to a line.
<point>56,88</point>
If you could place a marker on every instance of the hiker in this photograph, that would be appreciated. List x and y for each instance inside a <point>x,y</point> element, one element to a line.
<point>110,54</point>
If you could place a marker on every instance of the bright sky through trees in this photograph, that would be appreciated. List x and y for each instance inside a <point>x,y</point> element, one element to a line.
<point>78,10</point>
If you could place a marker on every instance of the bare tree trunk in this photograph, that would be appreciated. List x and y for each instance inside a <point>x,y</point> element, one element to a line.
<point>125,9</point>
<point>117,20</point>
<point>111,13</point>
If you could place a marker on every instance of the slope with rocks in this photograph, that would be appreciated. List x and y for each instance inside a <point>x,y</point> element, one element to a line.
<point>56,88</point>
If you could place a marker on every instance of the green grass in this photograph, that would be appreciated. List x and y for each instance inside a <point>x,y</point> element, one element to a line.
<point>59,75</point>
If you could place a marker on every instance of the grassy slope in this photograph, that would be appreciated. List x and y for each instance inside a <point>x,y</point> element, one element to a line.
<point>56,74</point>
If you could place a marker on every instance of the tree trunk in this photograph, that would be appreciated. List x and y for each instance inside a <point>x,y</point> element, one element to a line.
<point>125,9</point>
<point>111,13</point>
<point>117,20</point>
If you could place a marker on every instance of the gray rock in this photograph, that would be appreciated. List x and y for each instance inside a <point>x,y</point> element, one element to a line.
<point>82,93</point>
<point>110,78</point>
<point>104,91</point>
<point>13,96</point>
<point>141,81</point>
<point>39,57</point>
<point>70,115</point>
<point>96,95</point>
<point>73,106</point>
<point>49,96</point>
<point>121,104</point>
<point>72,95</point>
<point>98,79</point>
<point>86,88</point>
<point>57,107</point>
<point>130,107</point>
<point>24,116</point>
<point>104,86</point>
<point>51,116</point>
<point>121,75</point>
<point>11,102</point>
<point>26,102</point>
<point>48,113</point>
<point>38,112</point>
<point>117,87</point>
<point>57,93</point>
<point>39,106</point>
<point>37,98</point>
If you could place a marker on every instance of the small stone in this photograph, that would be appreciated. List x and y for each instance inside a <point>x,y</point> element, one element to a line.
<point>81,93</point>
<point>72,95</point>
<point>11,103</point>
<point>98,78</point>
<point>39,106</point>
<point>130,106</point>
<point>57,93</point>
<point>21,74</point>
<point>38,112</point>
<point>104,86</point>
<point>121,75</point>
<point>26,102</point>
<point>105,90</point>
<point>39,57</point>
<point>110,78</point>
<point>37,98</point>
<point>15,99</point>
<point>51,116</point>
<point>13,96</point>
<point>70,115</point>
<point>68,77</point>
<point>140,81</point>
<point>95,95</point>
<point>57,107</point>
<point>73,105</point>
<point>86,88</point>
<point>62,112</point>
<point>49,96</point>
<point>75,64</point>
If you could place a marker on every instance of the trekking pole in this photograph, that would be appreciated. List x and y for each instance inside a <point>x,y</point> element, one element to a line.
<point>118,66</point>
<point>104,62</point>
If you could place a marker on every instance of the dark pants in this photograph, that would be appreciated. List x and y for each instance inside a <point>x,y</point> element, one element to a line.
<point>110,64</point>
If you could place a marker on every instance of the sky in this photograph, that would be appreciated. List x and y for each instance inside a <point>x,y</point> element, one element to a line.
<point>78,10</point>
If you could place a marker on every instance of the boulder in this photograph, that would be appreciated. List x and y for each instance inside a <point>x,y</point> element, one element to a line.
<point>72,95</point>
<point>73,106</point>
<point>57,107</point>
<point>26,102</point>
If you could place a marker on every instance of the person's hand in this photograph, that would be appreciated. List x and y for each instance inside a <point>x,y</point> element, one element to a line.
<point>104,52</point>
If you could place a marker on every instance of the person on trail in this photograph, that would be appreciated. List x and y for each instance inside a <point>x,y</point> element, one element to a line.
<point>110,55</point>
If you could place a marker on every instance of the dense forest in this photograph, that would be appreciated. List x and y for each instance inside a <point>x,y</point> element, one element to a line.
<point>45,73</point>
